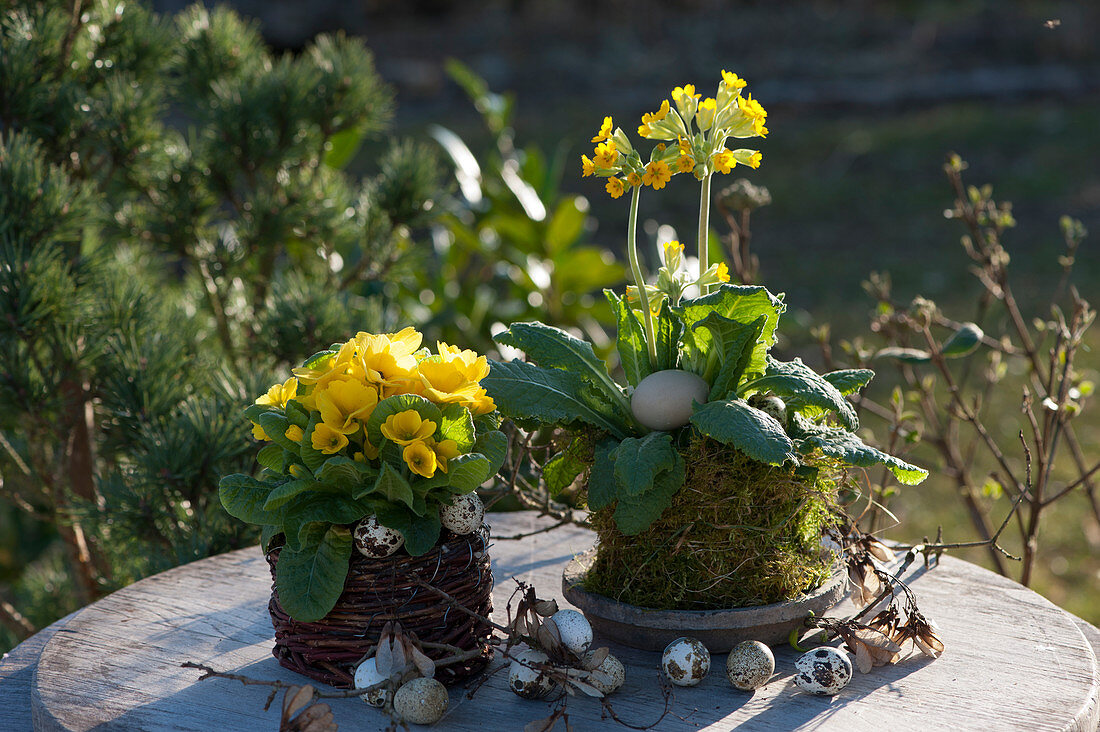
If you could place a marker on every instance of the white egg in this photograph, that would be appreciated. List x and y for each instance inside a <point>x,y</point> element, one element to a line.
<point>576,633</point>
<point>750,665</point>
<point>464,515</point>
<point>686,661</point>
<point>663,400</point>
<point>528,682</point>
<point>823,671</point>
<point>420,701</point>
<point>374,540</point>
<point>609,675</point>
<point>367,675</point>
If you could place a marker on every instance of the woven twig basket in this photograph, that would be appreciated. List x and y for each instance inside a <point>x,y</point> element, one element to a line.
<point>380,590</point>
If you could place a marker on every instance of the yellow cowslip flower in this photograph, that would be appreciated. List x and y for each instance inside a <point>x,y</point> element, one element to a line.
<point>407,427</point>
<point>643,130</point>
<point>756,158</point>
<point>723,161</point>
<point>633,179</point>
<point>606,154</point>
<point>674,252</point>
<point>605,130</point>
<point>733,81</point>
<point>614,186</point>
<point>327,440</point>
<point>258,433</point>
<point>587,167</point>
<point>345,405</point>
<point>685,146</point>
<point>687,90</point>
<point>656,175</point>
<point>657,116</point>
<point>279,394</point>
<point>723,273</point>
<point>685,164</point>
<point>444,451</point>
<point>420,458</point>
<point>294,433</point>
<point>751,107</point>
<point>705,116</point>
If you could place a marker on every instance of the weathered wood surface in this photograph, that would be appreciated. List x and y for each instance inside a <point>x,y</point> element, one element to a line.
<point>1013,661</point>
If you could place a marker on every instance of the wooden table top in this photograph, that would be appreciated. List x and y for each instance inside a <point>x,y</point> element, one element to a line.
<point>1014,661</point>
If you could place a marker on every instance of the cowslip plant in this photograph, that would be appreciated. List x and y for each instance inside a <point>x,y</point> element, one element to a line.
<point>374,426</point>
<point>775,412</point>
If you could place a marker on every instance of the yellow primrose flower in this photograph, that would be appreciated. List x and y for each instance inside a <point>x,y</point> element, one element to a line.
<point>733,81</point>
<point>656,175</point>
<point>685,164</point>
<point>258,432</point>
<point>657,116</point>
<point>723,273</point>
<point>587,167</point>
<point>723,161</point>
<point>328,440</point>
<point>472,366</point>
<point>614,186</point>
<point>344,405</point>
<point>407,427</point>
<point>634,179</point>
<point>420,458</point>
<point>444,450</point>
<point>705,117</point>
<point>279,394</point>
<point>606,154</point>
<point>294,433</point>
<point>605,130</point>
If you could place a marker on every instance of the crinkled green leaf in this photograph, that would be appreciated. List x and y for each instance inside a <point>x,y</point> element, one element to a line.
<point>271,457</point>
<point>282,495</point>
<point>848,448</point>
<point>312,457</point>
<point>602,491</point>
<point>244,497</point>
<point>318,508</point>
<point>551,396</point>
<point>736,343</point>
<point>457,424</point>
<point>849,381</point>
<point>803,389</point>
<point>635,514</point>
<point>736,302</point>
<point>391,485</point>
<point>631,340</point>
<point>467,472</point>
<point>638,462</point>
<point>267,533</point>
<point>733,422</point>
<point>274,426</point>
<point>494,446</point>
<point>560,471</point>
<point>553,348</point>
<point>399,403</point>
<point>342,470</point>
<point>668,329</point>
<point>420,532</point>
<point>310,579</point>
<point>964,341</point>
<point>296,414</point>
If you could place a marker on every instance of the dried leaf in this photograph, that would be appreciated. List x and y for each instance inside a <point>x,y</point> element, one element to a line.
<point>880,551</point>
<point>318,718</point>
<point>548,636</point>
<point>864,662</point>
<point>295,698</point>
<point>383,656</point>
<point>596,658</point>
<point>541,725</point>
<point>400,659</point>
<point>586,688</point>
<point>929,644</point>
<point>424,665</point>
<point>546,608</point>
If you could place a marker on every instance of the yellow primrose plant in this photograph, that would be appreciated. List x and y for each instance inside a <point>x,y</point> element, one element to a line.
<point>369,444</point>
<point>703,391</point>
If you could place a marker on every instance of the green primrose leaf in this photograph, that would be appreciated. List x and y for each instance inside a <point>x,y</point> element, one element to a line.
<point>849,381</point>
<point>803,389</point>
<point>420,532</point>
<point>494,446</point>
<point>467,472</point>
<point>457,424</point>
<point>284,493</point>
<point>636,514</point>
<point>638,462</point>
<point>631,340</point>
<point>243,497</point>
<point>602,491</point>
<point>271,457</point>
<point>309,581</point>
<point>733,422</point>
<point>848,448</point>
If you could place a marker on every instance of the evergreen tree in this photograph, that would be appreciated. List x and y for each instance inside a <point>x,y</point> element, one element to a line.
<point>176,224</point>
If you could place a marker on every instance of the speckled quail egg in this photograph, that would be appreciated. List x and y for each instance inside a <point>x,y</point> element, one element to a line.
<point>367,675</point>
<point>685,661</point>
<point>750,665</point>
<point>464,515</point>
<point>374,540</point>
<point>609,675</point>
<point>576,633</point>
<point>528,682</point>
<point>663,400</point>
<point>421,701</point>
<point>823,671</point>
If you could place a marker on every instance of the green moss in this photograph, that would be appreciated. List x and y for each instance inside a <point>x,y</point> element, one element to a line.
<point>738,533</point>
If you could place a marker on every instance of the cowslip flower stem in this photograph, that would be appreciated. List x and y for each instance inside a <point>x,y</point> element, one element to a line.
<point>704,225</point>
<point>639,280</point>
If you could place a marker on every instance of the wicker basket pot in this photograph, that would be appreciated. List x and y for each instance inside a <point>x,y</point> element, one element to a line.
<point>380,590</point>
